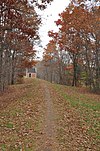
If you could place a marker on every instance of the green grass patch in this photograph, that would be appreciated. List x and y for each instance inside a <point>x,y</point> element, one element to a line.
<point>3,147</point>
<point>76,102</point>
<point>9,125</point>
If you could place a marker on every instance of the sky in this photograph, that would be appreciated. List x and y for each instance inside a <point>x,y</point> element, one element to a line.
<point>49,15</point>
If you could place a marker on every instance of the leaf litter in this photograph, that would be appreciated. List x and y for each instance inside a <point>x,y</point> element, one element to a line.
<point>26,122</point>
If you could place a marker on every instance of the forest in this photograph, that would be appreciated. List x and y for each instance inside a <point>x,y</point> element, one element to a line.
<point>72,56</point>
<point>19,24</point>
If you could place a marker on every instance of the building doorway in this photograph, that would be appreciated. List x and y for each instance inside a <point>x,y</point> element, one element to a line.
<point>29,75</point>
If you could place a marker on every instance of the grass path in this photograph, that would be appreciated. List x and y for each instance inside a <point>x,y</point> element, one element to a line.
<point>40,116</point>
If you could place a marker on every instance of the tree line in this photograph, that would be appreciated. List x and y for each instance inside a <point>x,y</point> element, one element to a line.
<point>72,56</point>
<point>19,24</point>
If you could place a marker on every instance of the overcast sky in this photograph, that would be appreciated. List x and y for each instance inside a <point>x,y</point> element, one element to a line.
<point>49,15</point>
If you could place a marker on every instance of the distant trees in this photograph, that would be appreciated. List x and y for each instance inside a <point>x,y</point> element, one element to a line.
<point>48,69</point>
<point>19,25</point>
<point>53,65</point>
<point>78,45</point>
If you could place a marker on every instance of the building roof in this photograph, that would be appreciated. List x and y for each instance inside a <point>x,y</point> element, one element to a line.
<point>31,70</point>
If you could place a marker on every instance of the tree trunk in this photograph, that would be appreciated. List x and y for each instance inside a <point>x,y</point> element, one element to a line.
<point>13,68</point>
<point>74,82</point>
<point>1,76</point>
<point>97,78</point>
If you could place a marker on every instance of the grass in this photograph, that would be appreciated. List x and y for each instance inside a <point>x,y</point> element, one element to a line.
<point>23,112</point>
<point>20,121</point>
<point>86,105</point>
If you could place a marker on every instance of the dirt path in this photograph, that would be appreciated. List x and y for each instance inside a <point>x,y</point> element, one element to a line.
<point>49,129</point>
